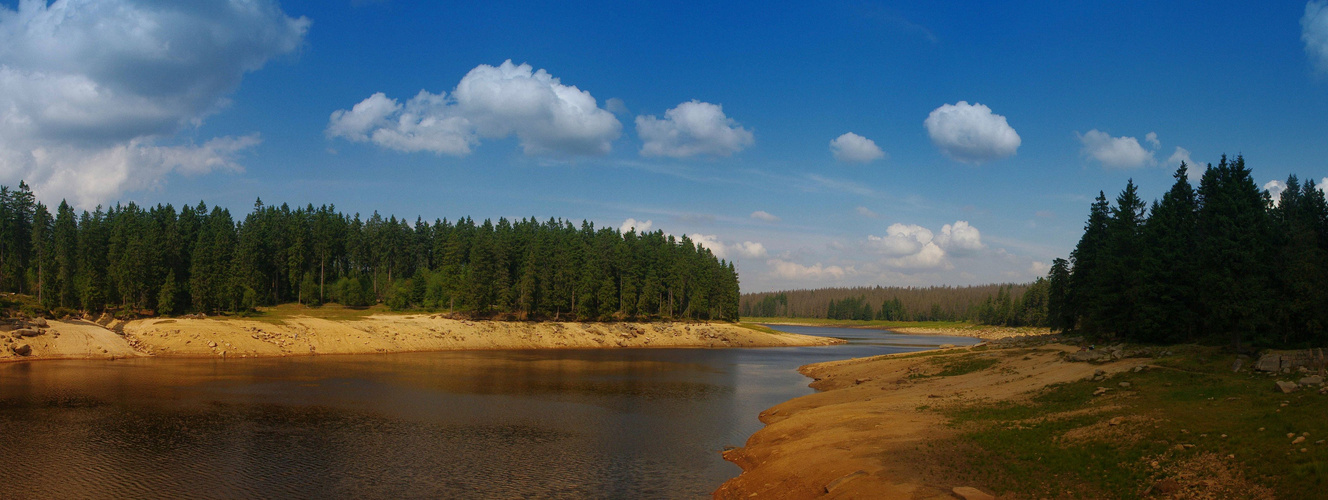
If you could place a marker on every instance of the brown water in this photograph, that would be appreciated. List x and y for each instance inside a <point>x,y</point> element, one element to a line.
<point>627,423</point>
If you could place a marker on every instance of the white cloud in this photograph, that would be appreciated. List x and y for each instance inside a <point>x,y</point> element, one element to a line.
<point>641,227</point>
<point>901,239</point>
<point>960,238</point>
<point>1115,152</point>
<point>1039,269</point>
<point>911,246</point>
<point>854,148</point>
<point>1181,155</point>
<point>867,212</point>
<point>1151,139</point>
<point>764,216</point>
<point>692,128</point>
<point>490,102</point>
<point>89,89</point>
<point>1275,188</point>
<point>615,106</point>
<point>971,133</point>
<point>795,271</point>
<point>745,249</point>
<point>1314,32</point>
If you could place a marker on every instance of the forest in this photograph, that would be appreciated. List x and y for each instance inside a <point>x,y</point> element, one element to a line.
<point>1001,304</point>
<point>1225,263</point>
<point>157,260</point>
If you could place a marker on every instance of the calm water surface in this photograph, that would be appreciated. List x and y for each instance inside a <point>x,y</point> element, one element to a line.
<point>627,423</point>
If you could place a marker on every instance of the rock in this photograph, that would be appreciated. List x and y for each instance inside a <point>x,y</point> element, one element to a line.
<point>1084,356</point>
<point>39,323</point>
<point>1164,487</point>
<point>22,349</point>
<point>1286,387</point>
<point>212,344</point>
<point>1125,385</point>
<point>27,332</point>
<point>1298,440</point>
<point>1235,367</point>
<point>861,381</point>
<point>1100,391</point>
<point>841,481</point>
<point>1291,435</point>
<point>1140,368</point>
<point>1099,373</point>
<point>971,493</point>
<point>1311,380</point>
<point>1269,363</point>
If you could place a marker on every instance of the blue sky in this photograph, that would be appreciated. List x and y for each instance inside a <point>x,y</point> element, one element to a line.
<point>981,131</point>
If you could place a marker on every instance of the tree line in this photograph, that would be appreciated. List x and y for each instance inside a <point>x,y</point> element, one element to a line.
<point>1001,304</point>
<point>1223,263</point>
<point>158,260</point>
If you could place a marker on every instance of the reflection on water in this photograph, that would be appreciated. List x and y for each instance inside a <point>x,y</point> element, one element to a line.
<point>636,423</point>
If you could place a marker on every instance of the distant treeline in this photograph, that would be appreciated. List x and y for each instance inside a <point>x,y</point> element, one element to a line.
<point>1007,304</point>
<point>1226,263</point>
<point>161,260</point>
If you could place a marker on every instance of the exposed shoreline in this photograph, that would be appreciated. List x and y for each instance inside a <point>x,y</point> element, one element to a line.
<point>377,333</point>
<point>859,435</point>
<point>984,332</point>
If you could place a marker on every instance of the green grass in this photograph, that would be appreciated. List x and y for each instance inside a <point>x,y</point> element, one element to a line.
<point>961,365</point>
<point>759,328</point>
<point>1018,447</point>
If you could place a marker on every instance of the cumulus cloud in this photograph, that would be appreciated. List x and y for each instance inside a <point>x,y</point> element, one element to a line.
<point>911,246</point>
<point>971,133</point>
<point>1181,155</point>
<point>763,215</point>
<point>690,129</point>
<point>89,90</point>
<point>629,224</point>
<point>960,238</point>
<point>1314,32</point>
<point>1151,139</point>
<point>853,148</point>
<point>795,271</point>
<point>490,102</point>
<point>711,242</point>
<point>1275,188</point>
<point>867,212</point>
<point>1115,152</point>
<point>1039,269</point>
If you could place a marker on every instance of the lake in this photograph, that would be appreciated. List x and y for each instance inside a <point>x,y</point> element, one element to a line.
<point>609,423</point>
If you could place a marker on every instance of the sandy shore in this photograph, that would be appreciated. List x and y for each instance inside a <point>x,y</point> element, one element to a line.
<point>984,332</point>
<point>302,336</point>
<point>859,437</point>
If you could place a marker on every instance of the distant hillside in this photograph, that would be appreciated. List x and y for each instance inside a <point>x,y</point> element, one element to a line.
<point>940,303</point>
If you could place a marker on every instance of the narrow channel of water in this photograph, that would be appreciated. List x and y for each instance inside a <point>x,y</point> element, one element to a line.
<point>624,423</point>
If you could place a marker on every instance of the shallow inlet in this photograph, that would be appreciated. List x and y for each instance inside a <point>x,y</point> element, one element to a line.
<point>639,423</point>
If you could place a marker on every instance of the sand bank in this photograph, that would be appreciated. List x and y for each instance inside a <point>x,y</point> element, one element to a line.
<point>382,333</point>
<point>860,436</point>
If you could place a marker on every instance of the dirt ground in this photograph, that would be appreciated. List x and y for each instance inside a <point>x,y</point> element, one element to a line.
<point>859,437</point>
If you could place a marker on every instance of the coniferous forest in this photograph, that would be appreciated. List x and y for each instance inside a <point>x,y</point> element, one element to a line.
<point>1225,263</point>
<point>157,260</point>
<point>1007,305</point>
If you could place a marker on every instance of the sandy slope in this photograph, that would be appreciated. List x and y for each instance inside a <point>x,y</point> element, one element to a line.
<point>74,339</point>
<point>401,333</point>
<point>867,419</point>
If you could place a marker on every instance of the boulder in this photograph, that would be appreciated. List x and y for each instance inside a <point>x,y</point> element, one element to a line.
<point>27,332</point>
<point>971,493</point>
<point>22,349</point>
<point>1084,356</point>
<point>1311,380</point>
<point>1286,387</point>
<point>1269,363</point>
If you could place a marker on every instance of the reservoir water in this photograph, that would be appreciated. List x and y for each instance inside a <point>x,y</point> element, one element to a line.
<point>624,423</point>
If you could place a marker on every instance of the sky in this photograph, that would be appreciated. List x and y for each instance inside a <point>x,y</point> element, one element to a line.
<point>823,144</point>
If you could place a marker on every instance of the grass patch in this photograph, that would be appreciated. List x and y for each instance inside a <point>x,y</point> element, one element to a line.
<point>952,366</point>
<point>760,328</point>
<point>1057,443</point>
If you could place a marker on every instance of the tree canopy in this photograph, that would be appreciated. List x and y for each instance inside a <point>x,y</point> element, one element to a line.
<point>199,258</point>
